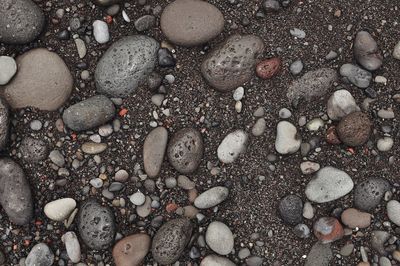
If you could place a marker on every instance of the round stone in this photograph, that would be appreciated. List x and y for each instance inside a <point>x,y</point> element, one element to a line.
<point>8,68</point>
<point>214,260</point>
<point>369,193</point>
<point>43,81</point>
<point>191,22</point>
<point>328,229</point>
<point>60,209</point>
<point>131,250</point>
<point>354,218</point>
<point>100,31</point>
<point>385,144</point>
<point>219,238</point>
<point>291,209</point>
<point>185,150</point>
<point>137,198</point>
<point>354,129</point>
<point>154,149</point>
<point>232,146</point>
<point>40,254</point>
<point>268,68</point>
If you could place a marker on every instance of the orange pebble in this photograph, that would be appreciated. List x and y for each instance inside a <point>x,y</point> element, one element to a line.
<point>171,207</point>
<point>123,112</point>
<point>109,19</point>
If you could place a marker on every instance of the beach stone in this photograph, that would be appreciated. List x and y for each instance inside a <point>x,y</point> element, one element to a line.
<point>378,241</point>
<point>268,68</point>
<point>393,211</point>
<point>72,246</point>
<point>329,184</point>
<point>8,68</point>
<point>369,193</point>
<point>145,22</point>
<point>214,260</point>
<point>106,2</point>
<point>170,240</point>
<point>296,67</point>
<point>137,198</point>
<point>41,255</point>
<point>313,84</point>
<point>219,238</point>
<point>191,22</point>
<point>319,255</point>
<point>154,149</point>
<point>131,250</point>
<point>92,112</point>
<point>287,139</point>
<point>353,218</point>
<point>357,76</point>
<point>232,146</point>
<point>100,31</point>
<point>211,197</point>
<point>4,124</point>
<point>366,51</point>
<point>96,225</point>
<point>340,104</point>
<point>21,21</point>
<point>144,210</point>
<point>385,144</point>
<point>126,65</point>
<point>43,81</point>
<point>328,229</point>
<point>93,147</point>
<point>185,150</point>
<point>59,210</point>
<point>354,129</point>
<point>291,209</point>
<point>236,57</point>
<point>15,193</point>
<point>259,127</point>
<point>308,167</point>
<point>396,51</point>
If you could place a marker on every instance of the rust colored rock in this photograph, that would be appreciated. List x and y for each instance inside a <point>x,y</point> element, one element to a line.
<point>131,250</point>
<point>268,68</point>
<point>354,129</point>
<point>328,229</point>
<point>332,137</point>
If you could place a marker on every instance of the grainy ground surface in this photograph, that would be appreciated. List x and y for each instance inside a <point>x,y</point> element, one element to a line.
<point>252,204</point>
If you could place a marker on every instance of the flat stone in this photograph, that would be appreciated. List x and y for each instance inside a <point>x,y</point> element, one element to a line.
<point>145,22</point>
<point>369,193</point>
<point>43,81</point>
<point>354,218</point>
<point>93,147</point>
<point>340,104</point>
<point>72,246</point>
<point>170,240</point>
<point>59,210</point>
<point>191,22</point>
<point>232,64</point>
<point>329,184</point>
<point>154,149</point>
<point>131,250</point>
<point>8,68</point>
<point>319,255</point>
<point>357,76</point>
<point>96,225</point>
<point>287,139</point>
<point>15,193</point>
<point>366,51</point>
<point>232,146</point>
<point>211,197</point>
<point>185,150</point>
<point>126,65</point>
<point>219,238</point>
<point>21,21</point>
<point>41,255</point>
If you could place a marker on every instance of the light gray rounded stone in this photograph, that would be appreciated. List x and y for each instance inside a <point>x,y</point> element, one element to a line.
<point>393,211</point>
<point>232,146</point>
<point>319,255</point>
<point>219,238</point>
<point>72,246</point>
<point>41,255</point>
<point>287,141</point>
<point>8,68</point>
<point>357,76</point>
<point>340,104</point>
<point>214,260</point>
<point>211,197</point>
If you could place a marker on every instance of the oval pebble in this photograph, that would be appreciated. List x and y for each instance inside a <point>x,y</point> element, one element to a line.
<point>211,197</point>
<point>59,210</point>
<point>219,238</point>
<point>232,146</point>
<point>72,246</point>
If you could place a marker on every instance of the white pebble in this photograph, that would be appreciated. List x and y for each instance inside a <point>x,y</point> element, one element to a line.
<point>100,31</point>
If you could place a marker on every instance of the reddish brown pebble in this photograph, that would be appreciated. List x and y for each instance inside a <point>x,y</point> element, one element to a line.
<point>332,137</point>
<point>131,250</point>
<point>354,129</point>
<point>354,218</point>
<point>328,229</point>
<point>268,68</point>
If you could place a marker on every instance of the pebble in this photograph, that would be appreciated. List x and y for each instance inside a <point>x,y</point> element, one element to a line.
<point>59,210</point>
<point>311,85</point>
<point>384,261</point>
<point>137,198</point>
<point>271,5</point>
<point>15,193</point>
<point>354,218</point>
<point>238,94</point>
<point>185,150</point>
<point>232,146</point>
<point>268,68</point>
<point>254,261</point>
<point>80,47</point>
<point>287,140</point>
<point>315,124</point>
<point>331,55</point>
<point>40,254</point>
<point>396,51</point>
<point>131,250</point>
<point>154,149</point>
<point>113,10</point>
<point>145,22</point>
<point>386,114</point>
<point>393,211</point>
<point>285,113</point>
<point>43,81</point>
<point>145,209</point>
<point>21,22</point>
<point>259,127</point>
<point>219,238</point>
<point>72,246</point>
<point>308,167</point>
<point>191,22</point>
<point>291,209</point>
<point>302,231</point>
<point>366,51</point>
<point>385,144</point>
<point>211,197</point>
<point>36,125</point>
<point>369,193</point>
<point>57,158</point>
<point>347,250</point>
<point>378,241</point>
<point>106,2</point>
<point>121,175</point>
<point>93,147</point>
<point>340,104</point>
<point>5,124</point>
<point>236,57</point>
<point>328,229</point>
<point>33,150</point>
<point>125,65</point>
<point>170,240</point>
<point>170,182</point>
<point>296,67</point>
<point>319,255</point>
<point>96,225</point>
<point>354,129</point>
<point>329,184</point>
<point>308,211</point>
<point>185,183</point>
<point>92,112</point>
<point>166,59</point>
<point>298,33</point>
<point>100,31</point>
<point>357,76</point>
<point>96,182</point>
<point>214,260</point>
<point>8,68</point>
